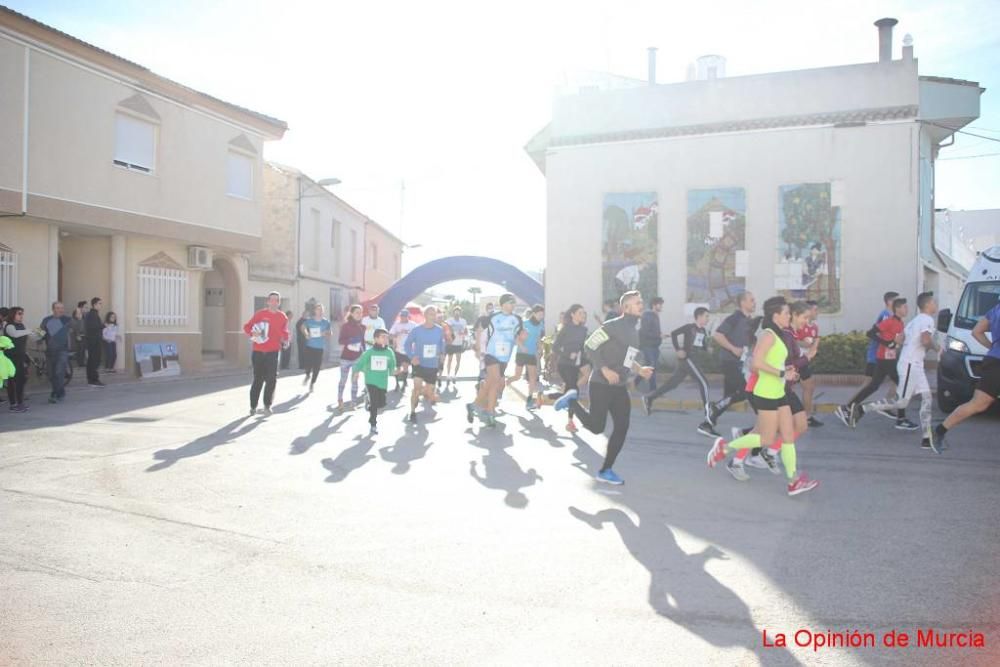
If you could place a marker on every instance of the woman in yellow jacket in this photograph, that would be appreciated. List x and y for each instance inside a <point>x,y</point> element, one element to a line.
<point>767,390</point>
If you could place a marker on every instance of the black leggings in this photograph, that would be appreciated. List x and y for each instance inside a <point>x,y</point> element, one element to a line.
<point>884,368</point>
<point>685,367</point>
<point>606,399</point>
<point>15,385</point>
<point>570,374</point>
<point>265,374</point>
<point>734,388</point>
<point>312,362</point>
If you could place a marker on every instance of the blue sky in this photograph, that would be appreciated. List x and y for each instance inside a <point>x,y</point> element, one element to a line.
<point>443,95</point>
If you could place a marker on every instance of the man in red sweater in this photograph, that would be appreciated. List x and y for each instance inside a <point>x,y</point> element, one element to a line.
<point>268,329</point>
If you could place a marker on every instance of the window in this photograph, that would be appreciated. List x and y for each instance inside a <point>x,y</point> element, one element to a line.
<point>316,233</point>
<point>8,276</point>
<point>374,256</point>
<point>239,175</point>
<point>163,296</point>
<point>977,300</point>
<point>335,244</point>
<point>135,144</point>
<point>354,254</point>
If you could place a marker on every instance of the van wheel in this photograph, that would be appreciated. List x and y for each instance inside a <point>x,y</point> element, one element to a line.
<point>946,403</point>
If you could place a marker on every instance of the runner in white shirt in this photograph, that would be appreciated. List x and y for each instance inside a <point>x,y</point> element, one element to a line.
<point>399,332</point>
<point>371,322</point>
<point>918,337</point>
<point>459,333</point>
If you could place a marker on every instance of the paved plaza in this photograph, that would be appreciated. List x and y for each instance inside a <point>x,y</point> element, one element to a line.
<point>159,524</point>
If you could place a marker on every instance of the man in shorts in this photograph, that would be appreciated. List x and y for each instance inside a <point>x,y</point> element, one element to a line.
<point>425,348</point>
<point>505,330</point>
<point>527,354</point>
<point>399,333</point>
<point>988,388</point>
<point>459,334</point>
<point>479,340</point>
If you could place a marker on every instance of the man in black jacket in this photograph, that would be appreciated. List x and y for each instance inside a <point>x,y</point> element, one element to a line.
<point>93,329</point>
<point>687,339</point>
<point>613,348</point>
<point>650,337</point>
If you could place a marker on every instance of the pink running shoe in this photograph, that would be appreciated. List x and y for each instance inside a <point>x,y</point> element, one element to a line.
<point>571,427</point>
<point>717,452</point>
<point>802,484</point>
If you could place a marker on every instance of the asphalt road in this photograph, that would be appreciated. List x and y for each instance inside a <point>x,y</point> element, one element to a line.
<point>158,524</point>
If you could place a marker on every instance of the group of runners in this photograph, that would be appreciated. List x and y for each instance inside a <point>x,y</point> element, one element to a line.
<point>765,360</point>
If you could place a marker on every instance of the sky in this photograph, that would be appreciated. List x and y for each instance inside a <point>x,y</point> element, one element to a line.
<point>422,109</point>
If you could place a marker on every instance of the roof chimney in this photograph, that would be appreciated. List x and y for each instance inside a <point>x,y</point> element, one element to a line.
<point>652,65</point>
<point>885,39</point>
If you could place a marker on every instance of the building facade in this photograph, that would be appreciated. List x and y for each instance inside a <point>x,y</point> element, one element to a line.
<point>816,184</point>
<point>118,183</point>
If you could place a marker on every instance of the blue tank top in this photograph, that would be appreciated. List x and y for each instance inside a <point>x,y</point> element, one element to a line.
<point>535,331</point>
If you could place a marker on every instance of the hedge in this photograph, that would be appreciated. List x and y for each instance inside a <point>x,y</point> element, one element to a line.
<point>839,354</point>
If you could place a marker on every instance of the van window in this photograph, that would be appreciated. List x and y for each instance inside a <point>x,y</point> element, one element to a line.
<point>977,299</point>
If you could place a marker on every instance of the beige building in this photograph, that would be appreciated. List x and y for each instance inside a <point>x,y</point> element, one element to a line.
<point>119,183</point>
<point>815,184</point>
<point>317,247</point>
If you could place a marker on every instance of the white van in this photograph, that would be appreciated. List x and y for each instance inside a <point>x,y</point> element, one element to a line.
<point>958,367</point>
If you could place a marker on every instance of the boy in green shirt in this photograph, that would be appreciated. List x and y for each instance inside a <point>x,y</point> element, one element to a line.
<point>377,363</point>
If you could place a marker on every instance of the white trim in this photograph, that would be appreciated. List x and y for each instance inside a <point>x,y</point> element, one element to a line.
<point>118,78</point>
<point>27,121</point>
<point>554,149</point>
<point>145,215</point>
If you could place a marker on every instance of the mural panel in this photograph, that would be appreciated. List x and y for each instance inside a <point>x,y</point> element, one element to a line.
<point>717,260</point>
<point>629,244</point>
<point>809,232</point>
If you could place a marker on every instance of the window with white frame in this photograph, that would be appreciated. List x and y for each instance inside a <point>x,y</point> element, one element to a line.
<point>163,296</point>
<point>239,175</point>
<point>8,276</point>
<point>135,143</point>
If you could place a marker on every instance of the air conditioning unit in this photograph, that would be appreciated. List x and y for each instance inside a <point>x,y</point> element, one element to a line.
<point>199,257</point>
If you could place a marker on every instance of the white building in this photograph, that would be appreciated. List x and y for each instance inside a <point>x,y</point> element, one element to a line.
<point>814,183</point>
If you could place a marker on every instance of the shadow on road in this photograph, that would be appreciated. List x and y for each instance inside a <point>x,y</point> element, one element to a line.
<point>349,460</point>
<point>318,434</point>
<point>502,472</point>
<point>206,443</point>
<point>411,447</point>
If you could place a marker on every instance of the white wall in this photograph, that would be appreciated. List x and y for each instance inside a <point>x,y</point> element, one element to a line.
<point>879,211</point>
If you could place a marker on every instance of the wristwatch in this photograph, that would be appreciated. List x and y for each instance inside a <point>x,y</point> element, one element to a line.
<point>782,375</point>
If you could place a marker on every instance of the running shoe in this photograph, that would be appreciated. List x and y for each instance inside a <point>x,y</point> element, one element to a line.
<point>610,477</point>
<point>267,410</point>
<point>491,421</point>
<point>305,380</point>
<point>843,413</point>
<point>857,412</point>
<point>530,404</point>
<point>737,470</point>
<point>571,427</point>
<point>734,433</point>
<point>20,407</point>
<point>470,412</point>
<point>708,429</point>
<point>413,417</point>
<point>906,425</point>
<point>717,452</point>
<point>563,401</point>
<point>53,399</point>
<point>253,411</point>
<point>373,430</point>
<point>647,405</point>
<point>771,460</point>
<point>802,484</point>
<point>95,384</point>
<point>942,443</point>
<point>814,423</point>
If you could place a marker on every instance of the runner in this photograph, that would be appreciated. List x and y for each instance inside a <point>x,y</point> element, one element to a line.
<point>888,335</point>
<point>733,338</point>
<point>767,387</point>
<point>766,458</point>
<point>695,341</point>
<point>316,329</point>
<point>425,347</point>
<point>377,363</point>
<point>459,333</point>
<point>614,348</point>
<point>808,339</point>
<point>918,337</point>
<point>399,332</point>
<point>372,322</point>
<point>505,329</point>
<point>527,355</point>
<point>352,338</point>
<point>650,338</point>
<point>479,341</point>
<point>571,364</point>
<point>988,389</point>
<point>872,355</point>
<point>268,329</point>
<point>448,337</point>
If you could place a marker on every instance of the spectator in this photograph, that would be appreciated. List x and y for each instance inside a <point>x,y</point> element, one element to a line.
<point>93,329</point>
<point>57,332</point>
<point>18,334</point>
<point>110,336</point>
<point>79,343</point>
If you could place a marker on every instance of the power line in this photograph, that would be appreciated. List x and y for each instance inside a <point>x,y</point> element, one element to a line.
<point>967,157</point>
<point>971,134</point>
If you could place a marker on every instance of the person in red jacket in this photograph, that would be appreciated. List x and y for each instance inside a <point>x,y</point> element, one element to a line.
<point>352,337</point>
<point>268,329</point>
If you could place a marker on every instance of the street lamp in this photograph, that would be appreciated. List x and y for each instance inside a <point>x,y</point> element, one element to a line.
<point>474,291</point>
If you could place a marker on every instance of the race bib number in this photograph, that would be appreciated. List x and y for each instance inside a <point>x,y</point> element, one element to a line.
<point>354,347</point>
<point>890,354</point>
<point>630,356</point>
<point>502,349</point>
<point>380,363</point>
<point>699,340</point>
<point>430,351</point>
<point>315,332</point>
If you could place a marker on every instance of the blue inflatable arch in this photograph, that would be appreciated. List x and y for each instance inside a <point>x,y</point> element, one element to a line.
<point>464,267</point>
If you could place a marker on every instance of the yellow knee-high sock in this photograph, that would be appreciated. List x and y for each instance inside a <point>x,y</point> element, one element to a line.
<point>748,441</point>
<point>788,459</point>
